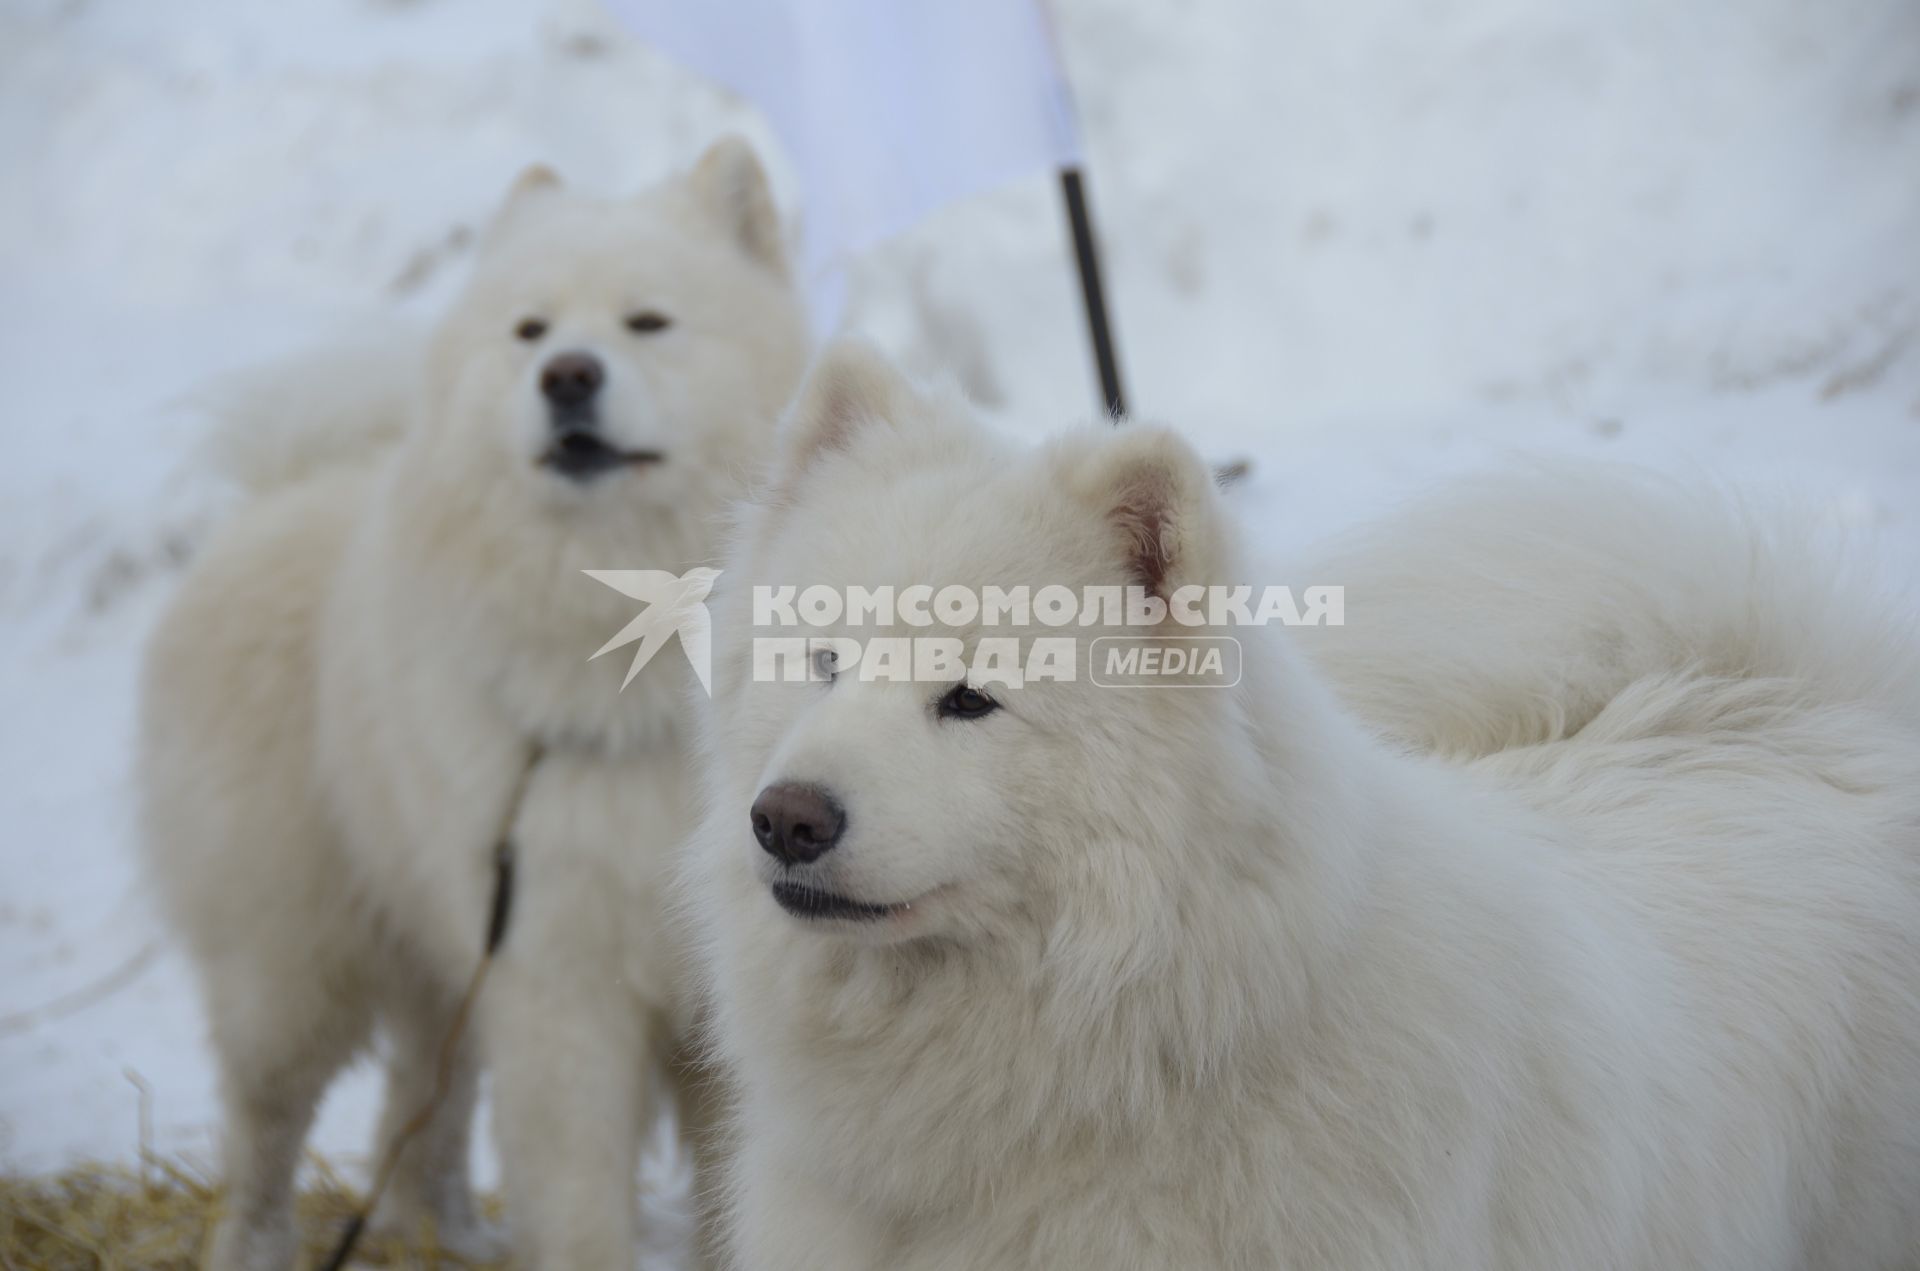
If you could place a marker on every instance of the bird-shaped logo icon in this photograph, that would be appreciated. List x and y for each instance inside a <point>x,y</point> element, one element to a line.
<point>675,606</point>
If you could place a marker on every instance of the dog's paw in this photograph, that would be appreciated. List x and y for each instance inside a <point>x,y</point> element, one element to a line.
<point>478,1242</point>
<point>263,1245</point>
<point>474,1241</point>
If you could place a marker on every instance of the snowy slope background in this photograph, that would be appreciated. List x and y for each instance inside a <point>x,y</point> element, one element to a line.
<point>1364,243</point>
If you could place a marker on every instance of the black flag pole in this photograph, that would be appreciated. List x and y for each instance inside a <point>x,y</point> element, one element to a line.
<point>1086,257</point>
<point>1106,359</point>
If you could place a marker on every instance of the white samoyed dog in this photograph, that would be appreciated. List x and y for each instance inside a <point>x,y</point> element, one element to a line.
<point>340,703</point>
<point>1561,911</point>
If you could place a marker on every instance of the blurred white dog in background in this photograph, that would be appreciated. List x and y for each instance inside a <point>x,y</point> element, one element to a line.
<point>341,699</point>
<point>1561,910</point>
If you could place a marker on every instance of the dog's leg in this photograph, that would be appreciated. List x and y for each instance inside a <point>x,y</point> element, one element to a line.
<point>431,1185</point>
<point>281,1033</point>
<point>565,1042</point>
<point>700,1104</point>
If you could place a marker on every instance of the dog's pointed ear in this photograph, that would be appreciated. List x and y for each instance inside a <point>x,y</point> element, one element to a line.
<point>852,387</point>
<point>732,189</point>
<point>536,182</point>
<point>1154,496</point>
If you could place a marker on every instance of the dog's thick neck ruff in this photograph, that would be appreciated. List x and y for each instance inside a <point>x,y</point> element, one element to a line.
<point>512,591</point>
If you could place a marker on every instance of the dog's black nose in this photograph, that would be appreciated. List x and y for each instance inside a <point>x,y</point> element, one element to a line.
<point>571,379</point>
<point>796,823</point>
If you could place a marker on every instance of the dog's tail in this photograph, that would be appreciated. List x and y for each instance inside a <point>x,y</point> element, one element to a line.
<point>1512,610</point>
<point>343,405</point>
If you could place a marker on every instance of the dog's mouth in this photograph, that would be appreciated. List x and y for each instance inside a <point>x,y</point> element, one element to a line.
<point>579,455</point>
<point>811,902</point>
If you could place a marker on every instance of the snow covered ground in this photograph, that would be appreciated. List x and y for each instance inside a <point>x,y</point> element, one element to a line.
<point>1365,244</point>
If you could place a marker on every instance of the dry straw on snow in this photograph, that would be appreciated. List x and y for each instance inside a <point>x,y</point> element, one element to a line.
<point>111,1218</point>
<point>97,1217</point>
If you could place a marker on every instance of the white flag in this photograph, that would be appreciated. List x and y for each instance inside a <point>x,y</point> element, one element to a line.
<point>890,108</point>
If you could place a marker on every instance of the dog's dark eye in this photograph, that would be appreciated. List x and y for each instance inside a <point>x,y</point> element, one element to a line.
<point>647,322</point>
<point>826,662</point>
<point>966,702</point>
<point>530,329</point>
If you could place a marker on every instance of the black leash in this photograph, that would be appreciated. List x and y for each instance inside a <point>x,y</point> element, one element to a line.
<point>499,910</point>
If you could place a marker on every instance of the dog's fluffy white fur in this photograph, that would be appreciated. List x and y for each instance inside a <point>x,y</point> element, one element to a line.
<point>338,704</point>
<point>1561,911</point>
